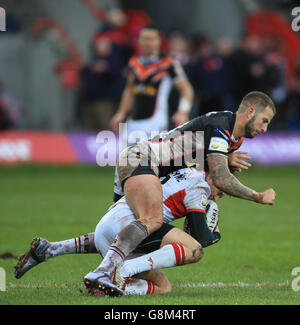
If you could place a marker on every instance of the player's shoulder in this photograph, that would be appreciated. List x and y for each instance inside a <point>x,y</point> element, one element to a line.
<point>215,118</point>
<point>160,61</point>
<point>191,175</point>
<point>166,59</point>
<point>220,122</point>
<point>133,61</point>
<point>219,118</point>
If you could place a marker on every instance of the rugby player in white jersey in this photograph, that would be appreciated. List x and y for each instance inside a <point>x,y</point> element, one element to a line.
<point>186,193</point>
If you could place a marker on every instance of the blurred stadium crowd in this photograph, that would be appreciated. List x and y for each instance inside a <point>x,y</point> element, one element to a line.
<point>221,72</point>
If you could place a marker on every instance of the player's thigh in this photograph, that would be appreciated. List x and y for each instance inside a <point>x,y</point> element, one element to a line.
<point>116,219</point>
<point>193,249</point>
<point>161,282</point>
<point>144,196</point>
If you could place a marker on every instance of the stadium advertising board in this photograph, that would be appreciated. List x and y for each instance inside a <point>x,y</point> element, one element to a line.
<point>90,148</point>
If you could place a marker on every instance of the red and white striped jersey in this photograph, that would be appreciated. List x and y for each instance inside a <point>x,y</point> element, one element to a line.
<point>184,190</point>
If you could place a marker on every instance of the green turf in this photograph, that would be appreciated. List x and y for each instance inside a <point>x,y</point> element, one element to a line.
<point>259,245</point>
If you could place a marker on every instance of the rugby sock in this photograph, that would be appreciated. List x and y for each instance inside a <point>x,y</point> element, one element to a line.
<point>126,241</point>
<point>139,287</point>
<point>167,256</point>
<point>77,245</point>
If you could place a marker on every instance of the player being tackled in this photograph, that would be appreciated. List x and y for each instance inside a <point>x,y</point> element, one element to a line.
<point>167,247</point>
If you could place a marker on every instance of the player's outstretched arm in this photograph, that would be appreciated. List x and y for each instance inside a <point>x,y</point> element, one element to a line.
<point>196,226</point>
<point>228,183</point>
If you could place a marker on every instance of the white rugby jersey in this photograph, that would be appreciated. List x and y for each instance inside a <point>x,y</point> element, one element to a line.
<point>184,190</point>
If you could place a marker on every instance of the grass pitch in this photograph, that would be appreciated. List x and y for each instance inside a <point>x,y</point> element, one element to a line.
<point>252,263</point>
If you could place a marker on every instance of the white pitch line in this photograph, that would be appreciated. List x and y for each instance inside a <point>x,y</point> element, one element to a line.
<point>42,286</point>
<point>212,285</point>
<point>239,284</point>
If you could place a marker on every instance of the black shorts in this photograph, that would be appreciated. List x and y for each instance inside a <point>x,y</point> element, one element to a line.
<point>140,170</point>
<point>153,241</point>
<point>135,160</point>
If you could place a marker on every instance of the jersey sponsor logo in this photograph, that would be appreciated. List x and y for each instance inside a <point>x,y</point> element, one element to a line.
<point>144,90</point>
<point>203,200</point>
<point>218,144</point>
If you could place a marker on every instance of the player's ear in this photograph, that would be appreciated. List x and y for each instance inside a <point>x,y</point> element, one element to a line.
<point>250,112</point>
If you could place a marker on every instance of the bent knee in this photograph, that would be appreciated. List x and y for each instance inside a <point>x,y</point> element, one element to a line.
<point>196,253</point>
<point>152,223</point>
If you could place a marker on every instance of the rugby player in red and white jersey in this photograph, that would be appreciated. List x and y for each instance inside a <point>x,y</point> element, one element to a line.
<point>186,193</point>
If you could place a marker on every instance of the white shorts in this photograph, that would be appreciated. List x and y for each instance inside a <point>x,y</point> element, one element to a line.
<point>118,217</point>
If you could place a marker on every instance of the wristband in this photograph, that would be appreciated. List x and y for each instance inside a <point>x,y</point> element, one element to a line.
<point>184,105</point>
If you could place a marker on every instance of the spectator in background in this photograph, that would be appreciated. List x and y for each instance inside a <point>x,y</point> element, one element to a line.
<point>10,116</point>
<point>178,49</point>
<point>292,104</point>
<point>276,70</point>
<point>276,65</point>
<point>208,77</point>
<point>292,117</point>
<point>248,68</point>
<point>102,84</point>
<point>225,48</point>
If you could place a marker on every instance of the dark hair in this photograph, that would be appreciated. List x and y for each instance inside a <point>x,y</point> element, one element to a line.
<point>151,26</point>
<point>258,100</point>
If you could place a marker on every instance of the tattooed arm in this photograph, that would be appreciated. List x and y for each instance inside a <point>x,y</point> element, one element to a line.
<point>228,183</point>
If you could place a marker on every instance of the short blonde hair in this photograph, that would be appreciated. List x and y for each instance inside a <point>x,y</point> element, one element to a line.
<point>258,100</point>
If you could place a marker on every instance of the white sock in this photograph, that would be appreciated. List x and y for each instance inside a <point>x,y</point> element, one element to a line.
<point>139,287</point>
<point>167,256</point>
<point>61,247</point>
<point>77,245</point>
<point>124,243</point>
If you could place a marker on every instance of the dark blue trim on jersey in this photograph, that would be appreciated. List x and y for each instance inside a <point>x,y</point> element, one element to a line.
<point>223,134</point>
